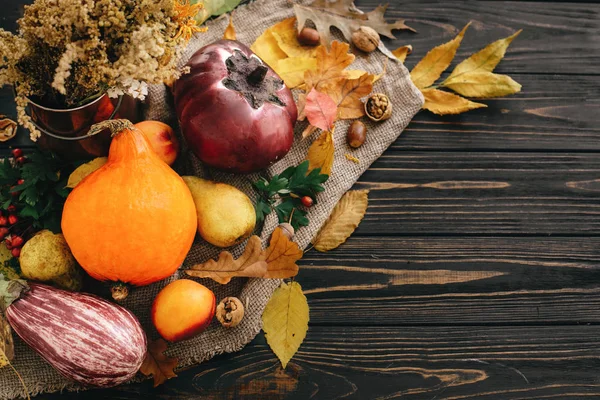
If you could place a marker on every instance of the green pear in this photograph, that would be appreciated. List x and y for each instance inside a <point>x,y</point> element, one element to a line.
<point>226,215</point>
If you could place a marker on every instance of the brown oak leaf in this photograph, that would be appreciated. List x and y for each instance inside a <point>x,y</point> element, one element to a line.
<point>281,256</point>
<point>249,265</point>
<point>158,364</point>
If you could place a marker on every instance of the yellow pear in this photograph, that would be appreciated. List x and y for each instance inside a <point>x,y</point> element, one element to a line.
<point>226,215</point>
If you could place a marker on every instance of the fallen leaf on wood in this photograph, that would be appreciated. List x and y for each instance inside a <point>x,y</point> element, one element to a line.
<point>444,103</point>
<point>345,16</point>
<point>350,157</point>
<point>285,321</point>
<point>347,94</point>
<point>230,30</point>
<point>286,34</point>
<point>321,153</point>
<point>320,109</point>
<point>483,85</point>
<point>84,170</point>
<point>430,68</point>
<point>249,265</point>
<point>330,65</point>
<point>281,256</point>
<point>158,364</point>
<point>292,70</point>
<point>7,348</point>
<point>344,219</point>
<point>484,60</point>
<point>402,52</point>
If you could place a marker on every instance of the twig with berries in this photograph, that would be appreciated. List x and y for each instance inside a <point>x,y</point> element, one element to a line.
<point>289,194</point>
<point>32,195</point>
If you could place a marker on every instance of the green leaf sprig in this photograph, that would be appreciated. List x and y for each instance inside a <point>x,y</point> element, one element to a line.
<point>282,194</point>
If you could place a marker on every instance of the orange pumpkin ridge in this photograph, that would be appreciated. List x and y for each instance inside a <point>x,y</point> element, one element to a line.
<point>134,219</point>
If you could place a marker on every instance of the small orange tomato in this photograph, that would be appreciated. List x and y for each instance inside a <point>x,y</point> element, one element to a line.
<point>183,309</point>
<point>162,138</point>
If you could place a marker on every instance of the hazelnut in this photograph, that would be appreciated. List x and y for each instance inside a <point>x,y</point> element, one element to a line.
<point>378,107</point>
<point>309,37</point>
<point>357,134</point>
<point>230,312</point>
<point>365,39</point>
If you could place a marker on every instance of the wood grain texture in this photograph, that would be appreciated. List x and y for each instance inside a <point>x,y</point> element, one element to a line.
<point>504,363</point>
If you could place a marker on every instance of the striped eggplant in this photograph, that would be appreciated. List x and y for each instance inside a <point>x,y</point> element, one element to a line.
<point>86,338</point>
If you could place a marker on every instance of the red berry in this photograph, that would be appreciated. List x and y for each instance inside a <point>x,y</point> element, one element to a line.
<point>12,208</point>
<point>307,201</point>
<point>17,241</point>
<point>15,252</point>
<point>13,219</point>
<point>3,221</point>
<point>8,243</point>
<point>16,153</point>
<point>3,232</point>
<point>21,160</point>
<point>20,182</point>
<point>13,193</point>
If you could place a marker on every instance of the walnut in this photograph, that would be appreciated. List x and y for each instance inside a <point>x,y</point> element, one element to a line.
<point>230,312</point>
<point>365,39</point>
<point>8,128</point>
<point>378,107</point>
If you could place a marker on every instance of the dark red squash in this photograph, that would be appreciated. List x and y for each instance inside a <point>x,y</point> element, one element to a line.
<point>235,112</point>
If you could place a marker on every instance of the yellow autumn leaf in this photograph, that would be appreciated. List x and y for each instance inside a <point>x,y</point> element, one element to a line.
<point>321,153</point>
<point>430,68</point>
<point>483,85</point>
<point>342,222</point>
<point>267,49</point>
<point>353,73</point>
<point>484,60</point>
<point>285,321</point>
<point>292,70</point>
<point>330,65</point>
<point>7,350</point>
<point>402,52</point>
<point>347,94</point>
<point>84,170</point>
<point>286,35</point>
<point>444,103</point>
<point>230,30</point>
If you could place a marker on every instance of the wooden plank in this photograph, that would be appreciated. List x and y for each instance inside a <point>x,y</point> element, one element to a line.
<point>475,193</point>
<point>453,281</point>
<point>504,363</point>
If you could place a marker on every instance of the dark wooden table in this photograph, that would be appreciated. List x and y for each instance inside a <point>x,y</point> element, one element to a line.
<point>476,271</point>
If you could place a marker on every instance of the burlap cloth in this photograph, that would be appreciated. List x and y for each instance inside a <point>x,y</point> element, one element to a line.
<point>250,21</point>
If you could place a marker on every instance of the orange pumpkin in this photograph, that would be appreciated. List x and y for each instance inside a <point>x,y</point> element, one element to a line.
<point>133,220</point>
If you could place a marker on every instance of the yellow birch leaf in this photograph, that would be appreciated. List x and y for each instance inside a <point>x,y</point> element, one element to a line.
<point>483,85</point>
<point>285,321</point>
<point>350,157</point>
<point>444,103</point>
<point>484,60</point>
<point>330,65</point>
<point>321,152</point>
<point>230,30</point>
<point>286,34</point>
<point>342,222</point>
<point>292,70</point>
<point>281,256</point>
<point>402,52</point>
<point>429,69</point>
<point>84,170</point>
<point>267,49</point>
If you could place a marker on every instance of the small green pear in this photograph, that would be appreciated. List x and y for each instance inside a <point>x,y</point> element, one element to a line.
<point>226,215</point>
<point>46,257</point>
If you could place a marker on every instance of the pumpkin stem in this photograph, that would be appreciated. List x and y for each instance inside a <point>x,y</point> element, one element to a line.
<point>114,125</point>
<point>119,291</point>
